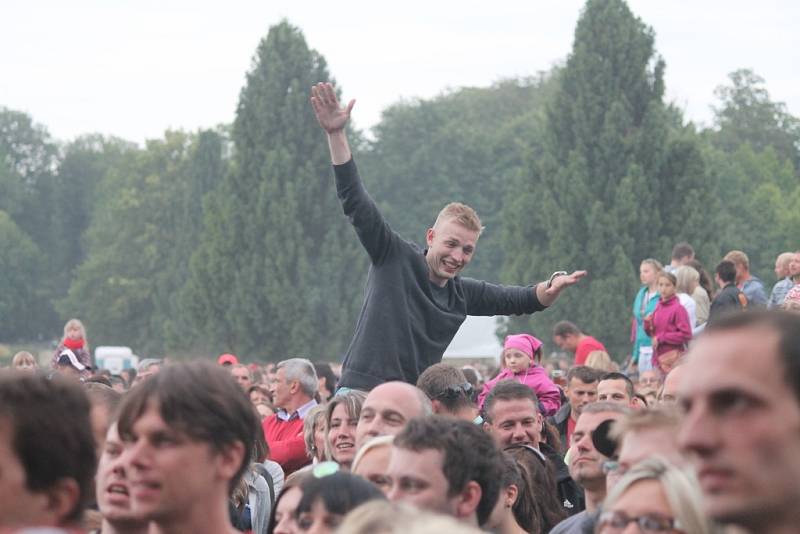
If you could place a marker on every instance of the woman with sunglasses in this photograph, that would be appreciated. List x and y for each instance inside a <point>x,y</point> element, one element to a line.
<point>654,497</point>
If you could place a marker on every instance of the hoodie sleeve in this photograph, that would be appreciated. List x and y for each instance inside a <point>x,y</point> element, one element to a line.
<point>489,386</point>
<point>547,392</point>
<point>681,332</point>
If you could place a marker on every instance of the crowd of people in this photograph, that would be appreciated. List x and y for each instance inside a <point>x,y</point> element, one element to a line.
<point>698,431</point>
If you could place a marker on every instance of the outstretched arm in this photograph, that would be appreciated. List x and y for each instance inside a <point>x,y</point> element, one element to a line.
<point>548,295</point>
<point>333,119</point>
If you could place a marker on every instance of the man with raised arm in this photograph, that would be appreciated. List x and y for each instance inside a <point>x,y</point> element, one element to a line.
<point>415,299</point>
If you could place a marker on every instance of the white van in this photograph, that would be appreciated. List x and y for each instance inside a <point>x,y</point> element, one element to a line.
<point>115,359</point>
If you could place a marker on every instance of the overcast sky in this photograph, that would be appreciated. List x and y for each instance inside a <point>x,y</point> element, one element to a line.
<point>136,68</point>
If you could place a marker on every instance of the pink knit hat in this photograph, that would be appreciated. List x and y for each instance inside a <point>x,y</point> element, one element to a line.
<point>524,342</point>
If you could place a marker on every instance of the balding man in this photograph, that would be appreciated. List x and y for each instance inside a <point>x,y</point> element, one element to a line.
<point>669,391</point>
<point>388,408</point>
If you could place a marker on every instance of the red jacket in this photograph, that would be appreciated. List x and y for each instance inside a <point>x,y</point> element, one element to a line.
<point>670,325</point>
<point>286,444</point>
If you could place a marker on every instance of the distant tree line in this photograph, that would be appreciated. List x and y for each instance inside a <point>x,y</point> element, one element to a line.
<point>232,238</point>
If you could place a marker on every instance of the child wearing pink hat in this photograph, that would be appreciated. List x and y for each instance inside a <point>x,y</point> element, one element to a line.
<point>520,360</point>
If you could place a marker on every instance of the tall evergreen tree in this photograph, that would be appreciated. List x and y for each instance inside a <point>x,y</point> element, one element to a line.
<point>619,180</point>
<point>279,271</point>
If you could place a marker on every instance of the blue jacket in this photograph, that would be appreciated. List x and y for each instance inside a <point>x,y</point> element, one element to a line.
<point>638,336</point>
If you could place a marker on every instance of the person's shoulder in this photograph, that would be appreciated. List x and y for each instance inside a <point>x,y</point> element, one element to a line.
<point>571,524</point>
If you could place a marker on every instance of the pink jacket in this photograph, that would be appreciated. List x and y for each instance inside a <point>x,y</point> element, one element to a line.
<point>535,378</point>
<point>670,325</point>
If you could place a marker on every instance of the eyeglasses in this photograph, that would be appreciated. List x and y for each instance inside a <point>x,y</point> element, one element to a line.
<point>648,524</point>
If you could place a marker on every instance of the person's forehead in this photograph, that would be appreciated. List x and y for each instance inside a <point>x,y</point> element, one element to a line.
<point>391,397</point>
<point>452,229</point>
<point>504,410</point>
<point>616,384</point>
<point>638,445</point>
<point>425,463</point>
<point>576,384</point>
<point>740,359</point>
<point>514,352</point>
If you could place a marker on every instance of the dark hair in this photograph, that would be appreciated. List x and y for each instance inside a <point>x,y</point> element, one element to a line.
<point>565,328</point>
<point>507,390</point>
<point>584,373</point>
<point>130,376</point>
<point>541,477</point>
<point>339,492</point>
<point>526,509</point>
<point>448,385</point>
<point>726,270</point>
<point>705,278</point>
<point>199,399</point>
<point>629,389</point>
<point>51,433</point>
<point>325,372</point>
<point>471,375</point>
<point>469,454</point>
<point>785,324</point>
<point>295,480</point>
<point>669,276</point>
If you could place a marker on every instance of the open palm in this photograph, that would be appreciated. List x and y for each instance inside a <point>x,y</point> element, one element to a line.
<point>331,116</point>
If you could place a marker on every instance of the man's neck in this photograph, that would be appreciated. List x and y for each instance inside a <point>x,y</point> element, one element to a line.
<point>295,403</point>
<point>594,497</point>
<point>200,519</point>
<point>120,527</point>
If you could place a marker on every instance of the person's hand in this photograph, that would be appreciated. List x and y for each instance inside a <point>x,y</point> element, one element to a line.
<point>560,282</point>
<point>654,342</point>
<point>330,115</point>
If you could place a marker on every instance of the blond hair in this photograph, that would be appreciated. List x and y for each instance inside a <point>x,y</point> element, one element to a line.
<point>739,258</point>
<point>686,278</point>
<point>374,443</point>
<point>384,517</point>
<point>461,214</point>
<point>77,322</point>
<point>599,359</point>
<point>666,418</point>
<point>23,357</point>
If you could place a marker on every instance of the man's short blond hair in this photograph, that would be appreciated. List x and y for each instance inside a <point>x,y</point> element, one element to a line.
<point>462,214</point>
<point>652,419</point>
<point>739,258</point>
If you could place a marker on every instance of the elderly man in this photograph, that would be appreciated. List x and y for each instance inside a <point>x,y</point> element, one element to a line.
<point>741,398</point>
<point>388,408</point>
<point>293,394</point>
<point>784,283</point>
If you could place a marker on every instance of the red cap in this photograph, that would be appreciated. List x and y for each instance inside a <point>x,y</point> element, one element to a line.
<point>227,359</point>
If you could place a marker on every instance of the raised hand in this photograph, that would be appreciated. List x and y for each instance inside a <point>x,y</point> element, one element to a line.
<point>560,282</point>
<point>331,116</point>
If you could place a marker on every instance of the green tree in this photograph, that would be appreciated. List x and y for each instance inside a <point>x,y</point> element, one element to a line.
<point>464,146</point>
<point>620,178</point>
<point>279,271</point>
<point>747,115</point>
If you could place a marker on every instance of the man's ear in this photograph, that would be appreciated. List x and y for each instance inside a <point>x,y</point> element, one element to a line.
<point>468,499</point>
<point>437,406</point>
<point>487,427</point>
<point>429,235</point>
<point>62,498</point>
<point>294,387</point>
<point>229,459</point>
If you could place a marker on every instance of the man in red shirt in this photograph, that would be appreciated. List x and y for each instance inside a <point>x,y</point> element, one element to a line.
<point>293,394</point>
<point>570,338</point>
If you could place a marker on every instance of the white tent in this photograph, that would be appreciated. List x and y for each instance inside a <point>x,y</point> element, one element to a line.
<point>475,339</point>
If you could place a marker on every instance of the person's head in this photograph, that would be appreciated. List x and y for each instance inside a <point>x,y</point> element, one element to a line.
<point>782,263</point>
<point>74,330</point>
<point>649,379</point>
<point>451,241</point>
<point>725,273</point>
<point>667,285</point>
<point>112,487</point>
<point>669,391</point>
<point>258,394</point>
<point>147,368</point>
<point>68,364</point>
<point>190,431</point>
<point>341,420</point>
<point>384,517</point>
<point>104,401</point>
<point>540,477</point>
<point>741,398</point>
<point>794,266</point>
<point>242,374</point>
<point>600,360</point>
<point>648,271</point>
<point>511,414</point>
<point>227,360</point>
<point>585,461</point>
<point>566,335</point>
<point>520,352</point>
<point>327,380</point>
<point>47,452</point>
<point>315,433</point>
<point>295,383</point>
<point>617,388</point>
<point>581,387</point>
<point>24,361</point>
<point>284,519</point>
<point>741,262</point>
<point>327,499</point>
<point>641,435</point>
<point>682,253</point>
<point>449,391</point>
<point>657,496</point>
<point>446,465</point>
<point>686,279</point>
<point>515,501</point>
<point>387,409</point>
<point>372,461</point>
